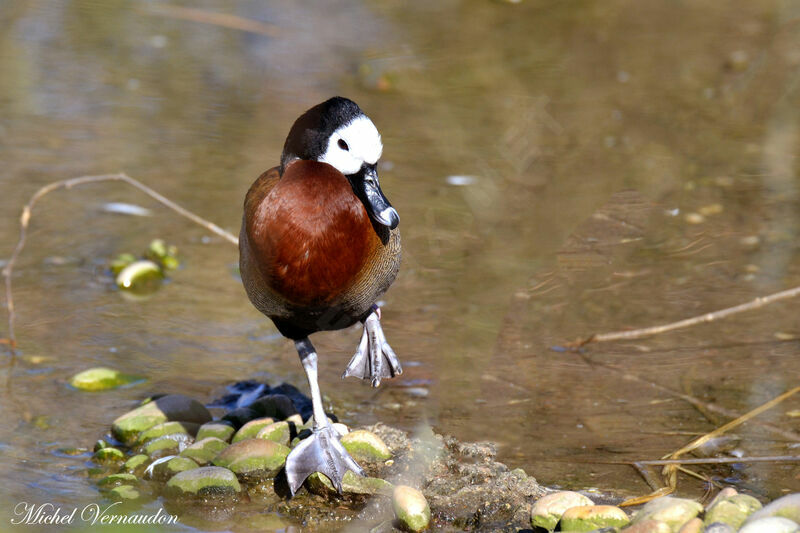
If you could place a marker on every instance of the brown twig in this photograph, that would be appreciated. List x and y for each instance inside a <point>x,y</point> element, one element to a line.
<point>202,16</point>
<point>761,301</point>
<point>25,218</point>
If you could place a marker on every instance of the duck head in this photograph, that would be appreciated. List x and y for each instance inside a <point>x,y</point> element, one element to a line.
<point>338,132</point>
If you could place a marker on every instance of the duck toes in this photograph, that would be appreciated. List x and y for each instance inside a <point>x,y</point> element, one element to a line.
<point>319,245</point>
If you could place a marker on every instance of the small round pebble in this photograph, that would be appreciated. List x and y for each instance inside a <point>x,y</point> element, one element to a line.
<point>548,509</point>
<point>591,517</point>
<point>411,508</point>
<point>365,446</point>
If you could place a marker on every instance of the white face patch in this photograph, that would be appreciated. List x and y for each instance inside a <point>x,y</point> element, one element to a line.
<point>352,145</point>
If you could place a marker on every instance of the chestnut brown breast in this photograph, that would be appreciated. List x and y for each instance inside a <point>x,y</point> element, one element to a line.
<point>309,237</point>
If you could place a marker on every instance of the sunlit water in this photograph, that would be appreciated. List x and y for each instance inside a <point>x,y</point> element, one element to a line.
<point>560,169</point>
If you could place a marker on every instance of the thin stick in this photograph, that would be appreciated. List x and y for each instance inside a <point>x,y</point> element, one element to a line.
<point>25,218</point>
<point>202,16</point>
<point>701,319</point>
<point>688,461</point>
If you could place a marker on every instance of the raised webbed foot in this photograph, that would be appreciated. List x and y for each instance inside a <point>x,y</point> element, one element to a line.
<point>374,358</point>
<point>321,452</point>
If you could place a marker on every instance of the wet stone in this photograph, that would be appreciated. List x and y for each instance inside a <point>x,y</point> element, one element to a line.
<point>139,274</point>
<point>771,524</point>
<point>101,378</point>
<point>108,455</point>
<point>673,511</point>
<point>253,459</point>
<point>205,450</point>
<point>786,506</point>
<point>733,510</point>
<point>239,417</point>
<point>723,494</point>
<point>166,445</point>
<point>591,517</point>
<point>124,492</point>
<point>219,430</point>
<point>117,479</point>
<point>168,428</point>
<point>279,432</point>
<point>548,509</point>
<point>136,462</point>
<point>276,406</point>
<point>366,446</point>
<point>127,427</point>
<point>206,480</point>
<point>175,465</point>
<point>250,429</point>
<point>411,508</point>
<point>352,484</point>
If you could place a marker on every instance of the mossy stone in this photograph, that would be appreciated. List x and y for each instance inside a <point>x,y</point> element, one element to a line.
<point>205,450</point>
<point>548,509</point>
<point>168,428</point>
<point>672,511</point>
<point>205,480</point>
<point>108,455</point>
<point>351,484</point>
<point>135,462</point>
<point>166,445</point>
<point>411,508</point>
<point>127,427</point>
<point>124,492</point>
<point>253,458</point>
<point>169,468</point>
<point>366,446</point>
<point>101,378</point>
<point>139,275</point>
<point>250,429</point>
<point>117,479</point>
<point>591,517</point>
<point>732,511</point>
<point>219,429</point>
<point>279,432</point>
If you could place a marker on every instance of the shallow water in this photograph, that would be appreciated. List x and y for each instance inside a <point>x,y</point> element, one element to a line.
<point>560,169</point>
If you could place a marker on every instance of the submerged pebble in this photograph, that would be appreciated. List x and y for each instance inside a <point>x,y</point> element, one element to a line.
<point>211,480</point>
<point>101,378</point>
<point>591,517</point>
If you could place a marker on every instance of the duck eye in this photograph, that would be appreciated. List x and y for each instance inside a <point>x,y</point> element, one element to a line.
<point>343,145</point>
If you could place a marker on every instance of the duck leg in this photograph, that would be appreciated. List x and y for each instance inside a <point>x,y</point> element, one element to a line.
<point>321,452</point>
<point>374,358</point>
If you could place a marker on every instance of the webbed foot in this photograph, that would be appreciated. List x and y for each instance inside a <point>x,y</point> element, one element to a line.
<point>374,358</point>
<point>321,452</point>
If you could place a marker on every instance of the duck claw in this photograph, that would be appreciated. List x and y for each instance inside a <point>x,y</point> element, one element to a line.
<point>321,452</point>
<point>374,358</point>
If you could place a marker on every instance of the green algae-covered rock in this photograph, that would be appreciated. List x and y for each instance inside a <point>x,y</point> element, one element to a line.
<point>366,446</point>
<point>279,432</point>
<point>250,429</point>
<point>695,525</point>
<point>732,511</point>
<point>101,378</point>
<point>771,524</point>
<point>205,480</point>
<point>127,427</point>
<point>163,254</point>
<point>124,492</point>
<point>591,517</point>
<point>169,468</point>
<point>205,450</point>
<point>786,506</point>
<point>411,508</point>
<point>139,274</point>
<point>277,406</point>
<point>168,428</point>
<point>108,455</point>
<point>166,445</point>
<point>649,526</point>
<point>548,509</point>
<point>254,459</point>
<point>136,462</point>
<point>352,484</point>
<point>672,511</point>
<point>115,480</point>
<point>219,429</point>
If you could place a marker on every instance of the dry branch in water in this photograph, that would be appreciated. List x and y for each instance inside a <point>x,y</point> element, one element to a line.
<point>202,16</point>
<point>761,301</point>
<point>25,219</point>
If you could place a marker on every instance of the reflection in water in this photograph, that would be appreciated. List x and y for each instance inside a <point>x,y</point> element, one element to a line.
<point>627,167</point>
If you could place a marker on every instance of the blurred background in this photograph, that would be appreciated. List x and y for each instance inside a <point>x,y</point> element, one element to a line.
<point>560,169</point>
